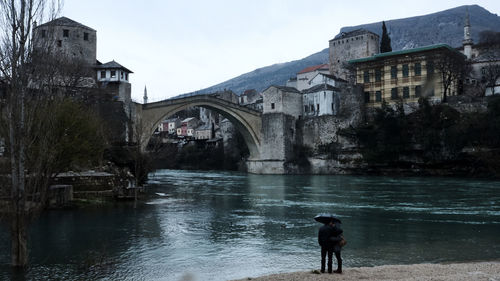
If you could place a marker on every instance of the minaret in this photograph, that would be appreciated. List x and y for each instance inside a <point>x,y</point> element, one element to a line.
<point>145,95</point>
<point>467,43</point>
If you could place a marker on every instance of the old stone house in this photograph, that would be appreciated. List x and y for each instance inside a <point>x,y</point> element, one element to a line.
<point>187,127</point>
<point>170,125</point>
<point>203,132</point>
<point>282,99</point>
<point>115,78</point>
<point>248,97</point>
<point>74,43</point>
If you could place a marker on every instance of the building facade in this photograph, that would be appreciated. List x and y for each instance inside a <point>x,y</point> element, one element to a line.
<point>67,37</point>
<point>281,99</point>
<point>305,75</point>
<point>405,75</point>
<point>352,45</point>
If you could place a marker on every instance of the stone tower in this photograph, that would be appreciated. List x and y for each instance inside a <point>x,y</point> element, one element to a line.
<point>467,42</point>
<point>64,36</point>
<point>351,45</point>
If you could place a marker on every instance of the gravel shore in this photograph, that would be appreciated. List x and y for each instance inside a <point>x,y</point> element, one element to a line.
<point>487,271</point>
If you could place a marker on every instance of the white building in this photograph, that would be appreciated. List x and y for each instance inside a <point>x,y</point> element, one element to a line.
<point>112,72</point>
<point>322,99</point>
<point>305,75</point>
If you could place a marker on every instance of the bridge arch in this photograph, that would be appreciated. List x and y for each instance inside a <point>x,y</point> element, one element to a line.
<point>247,121</point>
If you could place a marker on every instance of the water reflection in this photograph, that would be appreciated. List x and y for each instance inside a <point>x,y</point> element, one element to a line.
<point>217,226</point>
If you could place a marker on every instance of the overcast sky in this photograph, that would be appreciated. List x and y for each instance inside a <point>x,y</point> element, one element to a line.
<point>176,47</point>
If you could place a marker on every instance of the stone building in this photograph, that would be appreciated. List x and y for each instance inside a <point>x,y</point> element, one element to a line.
<point>115,78</point>
<point>352,45</point>
<point>320,100</point>
<point>67,37</point>
<point>248,97</point>
<point>404,75</point>
<point>484,58</point>
<point>203,132</point>
<point>282,99</point>
<point>305,75</point>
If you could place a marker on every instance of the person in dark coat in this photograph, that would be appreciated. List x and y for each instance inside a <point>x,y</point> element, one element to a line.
<point>328,239</point>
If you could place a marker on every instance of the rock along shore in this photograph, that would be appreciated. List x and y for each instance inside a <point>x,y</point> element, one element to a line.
<point>487,271</point>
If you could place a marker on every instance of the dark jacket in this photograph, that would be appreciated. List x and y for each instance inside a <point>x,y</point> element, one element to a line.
<point>329,236</point>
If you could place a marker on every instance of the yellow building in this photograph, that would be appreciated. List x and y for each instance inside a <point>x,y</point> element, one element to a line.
<point>407,75</point>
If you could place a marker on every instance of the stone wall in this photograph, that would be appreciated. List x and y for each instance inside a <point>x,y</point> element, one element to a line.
<point>324,129</point>
<point>284,101</point>
<point>278,136</point>
<point>351,46</point>
<point>78,42</point>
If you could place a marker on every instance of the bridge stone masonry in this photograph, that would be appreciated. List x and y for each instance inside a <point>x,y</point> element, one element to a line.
<point>267,136</point>
<point>247,121</point>
<point>271,136</point>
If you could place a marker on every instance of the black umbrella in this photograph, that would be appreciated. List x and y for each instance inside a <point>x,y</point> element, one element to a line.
<point>326,218</point>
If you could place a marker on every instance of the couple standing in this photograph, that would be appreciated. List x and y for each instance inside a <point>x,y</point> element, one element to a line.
<point>329,238</point>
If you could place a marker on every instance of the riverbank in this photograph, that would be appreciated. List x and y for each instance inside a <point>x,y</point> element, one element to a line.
<point>488,271</point>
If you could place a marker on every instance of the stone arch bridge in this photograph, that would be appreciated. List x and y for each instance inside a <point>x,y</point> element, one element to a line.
<point>247,121</point>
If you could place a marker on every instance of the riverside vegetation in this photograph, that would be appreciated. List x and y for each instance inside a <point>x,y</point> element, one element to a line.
<point>434,137</point>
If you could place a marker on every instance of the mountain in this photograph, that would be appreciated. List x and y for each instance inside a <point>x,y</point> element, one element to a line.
<point>441,27</point>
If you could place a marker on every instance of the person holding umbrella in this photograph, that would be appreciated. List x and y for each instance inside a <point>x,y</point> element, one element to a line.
<point>329,236</point>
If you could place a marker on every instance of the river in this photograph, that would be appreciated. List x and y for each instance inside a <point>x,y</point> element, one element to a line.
<point>224,225</point>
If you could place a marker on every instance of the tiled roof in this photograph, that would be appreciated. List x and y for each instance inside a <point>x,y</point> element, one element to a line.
<point>405,52</point>
<point>64,21</point>
<point>356,32</point>
<point>313,68</point>
<point>333,77</point>
<point>287,89</point>
<point>321,87</point>
<point>113,65</point>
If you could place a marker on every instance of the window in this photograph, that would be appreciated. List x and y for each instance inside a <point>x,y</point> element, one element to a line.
<point>366,76</point>
<point>317,106</point>
<point>367,97</point>
<point>406,92</point>
<point>378,96</point>
<point>103,74</point>
<point>85,36</point>
<point>405,70</point>
<point>59,43</point>
<point>113,73</point>
<point>272,105</point>
<point>418,91</point>
<point>312,107</point>
<point>418,69</point>
<point>126,76</point>
<point>65,33</point>
<point>394,72</point>
<point>394,93</point>
<point>430,68</point>
<point>378,75</point>
<point>306,108</point>
<point>44,33</point>
<point>121,74</point>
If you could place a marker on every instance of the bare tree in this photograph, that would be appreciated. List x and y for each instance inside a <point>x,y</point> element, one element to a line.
<point>45,132</point>
<point>452,66</point>
<point>490,68</point>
